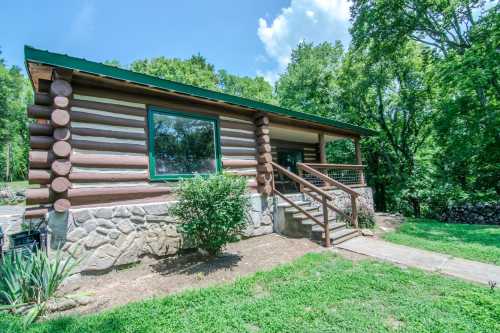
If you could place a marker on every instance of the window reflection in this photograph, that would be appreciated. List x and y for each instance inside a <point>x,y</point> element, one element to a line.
<point>183,145</point>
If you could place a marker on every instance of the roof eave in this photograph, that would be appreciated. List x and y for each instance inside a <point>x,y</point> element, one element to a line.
<point>83,65</point>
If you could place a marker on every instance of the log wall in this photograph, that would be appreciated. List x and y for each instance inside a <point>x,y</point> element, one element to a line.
<point>106,156</point>
<point>310,151</point>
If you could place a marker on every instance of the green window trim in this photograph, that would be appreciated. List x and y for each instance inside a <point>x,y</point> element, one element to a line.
<point>151,153</point>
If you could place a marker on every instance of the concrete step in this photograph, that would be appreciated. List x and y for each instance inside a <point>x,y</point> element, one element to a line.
<point>302,216</point>
<point>293,210</point>
<point>333,226</point>
<point>299,203</point>
<point>343,235</point>
<point>308,221</point>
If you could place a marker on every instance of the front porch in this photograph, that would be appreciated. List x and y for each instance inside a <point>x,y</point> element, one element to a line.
<point>315,198</point>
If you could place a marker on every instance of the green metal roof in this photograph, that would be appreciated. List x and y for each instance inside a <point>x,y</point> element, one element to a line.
<point>64,61</point>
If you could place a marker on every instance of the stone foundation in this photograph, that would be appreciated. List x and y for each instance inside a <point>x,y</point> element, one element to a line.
<point>106,237</point>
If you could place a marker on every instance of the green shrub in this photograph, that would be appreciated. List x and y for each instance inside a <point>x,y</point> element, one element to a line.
<point>28,281</point>
<point>212,211</point>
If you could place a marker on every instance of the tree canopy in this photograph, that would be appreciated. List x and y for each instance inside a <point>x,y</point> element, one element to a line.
<point>425,77</point>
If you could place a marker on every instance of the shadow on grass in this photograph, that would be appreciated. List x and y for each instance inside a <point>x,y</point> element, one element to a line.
<point>108,324</point>
<point>196,264</point>
<point>449,232</point>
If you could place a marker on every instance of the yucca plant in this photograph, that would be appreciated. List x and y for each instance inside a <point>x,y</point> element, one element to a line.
<point>28,281</point>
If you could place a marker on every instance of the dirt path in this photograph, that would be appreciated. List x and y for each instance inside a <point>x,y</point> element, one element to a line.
<point>160,278</point>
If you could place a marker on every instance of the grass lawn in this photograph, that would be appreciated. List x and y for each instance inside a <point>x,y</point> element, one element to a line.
<point>317,293</point>
<point>474,242</point>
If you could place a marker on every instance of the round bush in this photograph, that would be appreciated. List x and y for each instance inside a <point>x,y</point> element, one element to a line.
<point>212,210</point>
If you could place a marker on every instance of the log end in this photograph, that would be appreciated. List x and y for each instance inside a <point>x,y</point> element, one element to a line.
<point>62,205</point>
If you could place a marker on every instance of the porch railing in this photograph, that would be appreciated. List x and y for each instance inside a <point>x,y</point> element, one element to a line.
<point>307,171</point>
<point>347,174</point>
<point>317,194</point>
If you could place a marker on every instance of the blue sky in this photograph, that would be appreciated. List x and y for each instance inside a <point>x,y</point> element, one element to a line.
<point>245,37</point>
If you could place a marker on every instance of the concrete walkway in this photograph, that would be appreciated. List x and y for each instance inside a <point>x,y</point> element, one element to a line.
<point>426,260</point>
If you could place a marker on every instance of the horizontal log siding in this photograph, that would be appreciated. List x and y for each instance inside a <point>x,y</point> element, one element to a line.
<point>238,147</point>
<point>311,154</point>
<point>114,127</point>
<point>107,135</point>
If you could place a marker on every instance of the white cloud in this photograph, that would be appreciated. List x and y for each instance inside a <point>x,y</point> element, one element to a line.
<point>83,23</point>
<point>304,20</point>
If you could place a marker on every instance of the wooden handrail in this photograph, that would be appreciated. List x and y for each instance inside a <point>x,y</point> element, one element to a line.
<point>304,183</point>
<point>301,181</point>
<point>332,207</point>
<point>335,166</point>
<point>327,179</point>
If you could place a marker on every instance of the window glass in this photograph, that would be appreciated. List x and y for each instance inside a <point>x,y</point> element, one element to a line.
<point>182,145</point>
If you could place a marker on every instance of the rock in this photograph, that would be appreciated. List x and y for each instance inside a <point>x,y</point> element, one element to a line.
<point>137,219</point>
<point>138,211</point>
<point>84,300</point>
<point>60,304</point>
<point>105,223</point>
<point>102,231</point>
<point>155,219</point>
<point>103,258</point>
<point>367,232</point>
<point>130,255</point>
<point>81,216</point>
<point>156,209</point>
<point>114,234</point>
<point>94,240</point>
<point>89,226</point>
<point>121,211</point>
<point>125,226</point>
<point>76,234</point>
<point>264,230</point>
<point>104,213</point>
<point>155,242</point>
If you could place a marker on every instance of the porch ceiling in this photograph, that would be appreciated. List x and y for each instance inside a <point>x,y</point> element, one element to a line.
<point>298,135</point>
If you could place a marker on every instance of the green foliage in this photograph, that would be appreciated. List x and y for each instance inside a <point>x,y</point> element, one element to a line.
<point>254,88</point>
<point>198,72</point>
<point>426,78</point>
<point>195,70</point>
<point>317,293</point>
<point>212,210</point>
<point>309,83</point>
<point>28,281</point>
<point>15,95</point>
<point>474,242</point>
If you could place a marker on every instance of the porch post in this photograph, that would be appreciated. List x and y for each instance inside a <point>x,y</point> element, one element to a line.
<point>359,160</point>
<point>322,152</point>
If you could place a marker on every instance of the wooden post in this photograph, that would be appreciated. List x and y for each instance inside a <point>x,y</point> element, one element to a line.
<point>325,221</point>
<point>322,150</point>
<point>354,215</point>
<point>359,160</point>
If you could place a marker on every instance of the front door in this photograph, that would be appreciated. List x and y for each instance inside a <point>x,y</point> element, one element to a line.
<point>288,159</point>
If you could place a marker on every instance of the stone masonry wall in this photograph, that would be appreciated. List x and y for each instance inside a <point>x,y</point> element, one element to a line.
<point>106,237</point>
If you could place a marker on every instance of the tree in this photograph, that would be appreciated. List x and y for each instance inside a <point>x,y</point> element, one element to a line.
<point>254,88</point>
<point>309,83</point>
<point>194,71</point>
<point>391,94</point>
<point>462,39</point>
<point>15,95</point>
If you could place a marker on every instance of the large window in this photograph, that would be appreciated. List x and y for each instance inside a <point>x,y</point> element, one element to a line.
<point>182,145</point>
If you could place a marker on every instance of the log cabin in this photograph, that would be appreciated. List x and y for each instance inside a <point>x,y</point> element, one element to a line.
<point>108,147</point>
